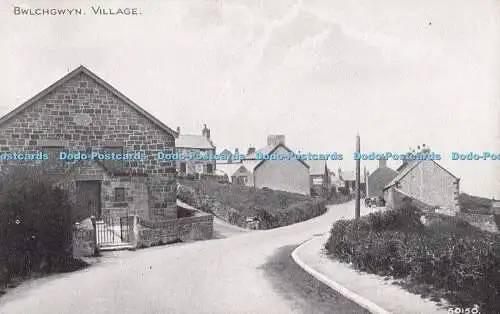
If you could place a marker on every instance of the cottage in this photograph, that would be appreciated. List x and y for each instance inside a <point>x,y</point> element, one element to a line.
<point>192,149</point>
<point>320,178</point>
<point>284,175</point>
<point>378,179</point>
<point>349,179</point>
<point>236,173</point>
<point>427,183</point>
<point>336,183</point>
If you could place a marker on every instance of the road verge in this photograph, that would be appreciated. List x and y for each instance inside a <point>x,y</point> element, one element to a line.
<point>367,304</point>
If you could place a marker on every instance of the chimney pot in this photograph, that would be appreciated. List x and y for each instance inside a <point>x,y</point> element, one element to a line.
<point>382,163</point>
<point>275,139</point>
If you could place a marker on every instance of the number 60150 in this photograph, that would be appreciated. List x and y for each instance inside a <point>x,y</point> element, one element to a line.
<point>462,310</point>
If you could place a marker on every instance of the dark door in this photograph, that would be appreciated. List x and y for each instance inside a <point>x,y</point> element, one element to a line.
<point>88,199</point>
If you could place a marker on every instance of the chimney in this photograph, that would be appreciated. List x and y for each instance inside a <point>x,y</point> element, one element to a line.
<point>178,130</point>
<point>250,150</point>
<point>275,139</point>
<point>206,132</point>
<point>382,163</point>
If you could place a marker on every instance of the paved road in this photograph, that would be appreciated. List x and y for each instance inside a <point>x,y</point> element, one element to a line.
<point>216,276</point>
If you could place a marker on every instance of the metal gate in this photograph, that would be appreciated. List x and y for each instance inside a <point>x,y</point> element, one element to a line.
<point>112,231</point>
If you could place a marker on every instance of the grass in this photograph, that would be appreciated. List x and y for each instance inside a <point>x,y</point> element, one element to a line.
<point>234,203</point>
<point>474,204</point>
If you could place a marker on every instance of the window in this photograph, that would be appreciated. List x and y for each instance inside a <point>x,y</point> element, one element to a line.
<point>114,165</point>
<point>210,168</point>
<point>240,180</point>
<point>119,194</point>
<point>183,167</point>
<point>53,152</point>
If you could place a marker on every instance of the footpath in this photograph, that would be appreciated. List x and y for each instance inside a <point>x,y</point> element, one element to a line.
<point>372,292</point>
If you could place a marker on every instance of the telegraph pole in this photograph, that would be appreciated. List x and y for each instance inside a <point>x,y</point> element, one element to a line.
<point>358,163</point>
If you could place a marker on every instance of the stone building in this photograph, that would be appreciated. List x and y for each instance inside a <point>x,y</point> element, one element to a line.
<point>82,113</point>
<point>192,148</point>
<point>426,183</point>
<point>378,179</point>
<point>283,175</point>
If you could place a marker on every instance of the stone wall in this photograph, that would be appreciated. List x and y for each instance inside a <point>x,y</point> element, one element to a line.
<point>135,187</point>
<point>397,199</point>
<point>198,227</point>
<point>84,239</point>
<point>433,185</point>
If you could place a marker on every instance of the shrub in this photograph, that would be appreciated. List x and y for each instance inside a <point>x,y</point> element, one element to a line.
<point>450,255</point>
<point>234,203</point>
<point>35,223</point>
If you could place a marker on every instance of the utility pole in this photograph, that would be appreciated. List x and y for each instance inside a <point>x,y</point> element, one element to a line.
<point>358,163</point>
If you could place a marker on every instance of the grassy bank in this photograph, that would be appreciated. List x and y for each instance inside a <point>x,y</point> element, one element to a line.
<point>235,203</point>
<point>447,259</point>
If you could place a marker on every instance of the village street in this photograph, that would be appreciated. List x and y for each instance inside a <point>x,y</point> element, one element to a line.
<point>227,275</point>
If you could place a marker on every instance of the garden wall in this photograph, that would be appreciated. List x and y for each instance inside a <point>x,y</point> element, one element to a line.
<point>197,227</point>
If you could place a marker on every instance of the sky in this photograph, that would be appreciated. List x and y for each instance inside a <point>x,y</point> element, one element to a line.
<point>399,72</point>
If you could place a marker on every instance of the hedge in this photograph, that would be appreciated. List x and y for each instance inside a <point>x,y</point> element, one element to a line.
<point>451,256</point>
<point>35,225</point>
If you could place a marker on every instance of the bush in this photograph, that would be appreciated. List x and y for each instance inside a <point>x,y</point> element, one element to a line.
<point>234,203</point>
<point>450,256</point>
<point>35,223</point>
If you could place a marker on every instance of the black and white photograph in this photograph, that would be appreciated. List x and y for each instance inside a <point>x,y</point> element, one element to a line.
<point>249,156</point>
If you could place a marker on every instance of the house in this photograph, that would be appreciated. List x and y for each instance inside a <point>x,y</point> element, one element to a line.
<point>236,173</point>
<point>427,183</point>
<point>193,149</point>
<point>378,179</point>
<point>284,175</point>
<point>228,157</point>
<point>336,183</point>
<point>349,178</point>
<point>320,177</point>
<point>81,113</point>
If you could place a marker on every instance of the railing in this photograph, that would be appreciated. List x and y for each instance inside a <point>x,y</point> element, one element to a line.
<point>113,230</point>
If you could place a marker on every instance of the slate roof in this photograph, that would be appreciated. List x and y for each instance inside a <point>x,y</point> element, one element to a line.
<point>378,179</point>
<point>230,169</point>
<point>251,163</point>
<point>71,75</point>
<point>411,165</point>
<point>193,141</point>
